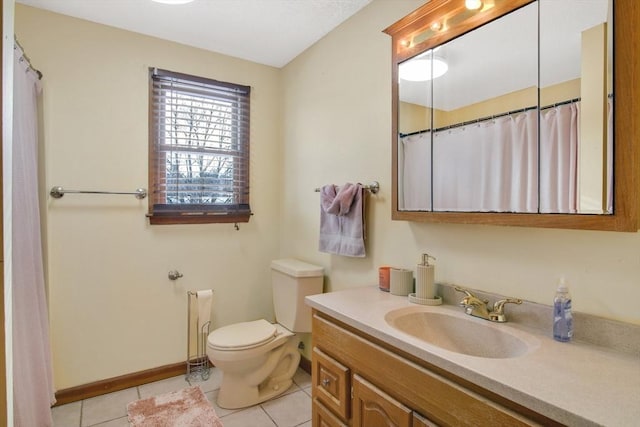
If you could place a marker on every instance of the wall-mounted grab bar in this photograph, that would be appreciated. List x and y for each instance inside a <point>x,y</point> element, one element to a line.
<point>374,187</point>
<point>58,192</point>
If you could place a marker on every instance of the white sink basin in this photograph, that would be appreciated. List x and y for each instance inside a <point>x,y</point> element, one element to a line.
<point>460,333</point>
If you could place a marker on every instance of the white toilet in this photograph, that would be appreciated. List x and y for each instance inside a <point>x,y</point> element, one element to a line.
<point>258,359</point>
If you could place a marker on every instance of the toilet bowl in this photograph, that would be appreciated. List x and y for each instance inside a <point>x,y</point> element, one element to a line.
<point>255,368</point>
<point>258,359</point>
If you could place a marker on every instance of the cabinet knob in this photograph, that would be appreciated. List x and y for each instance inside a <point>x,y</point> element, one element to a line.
<point>325,382</point>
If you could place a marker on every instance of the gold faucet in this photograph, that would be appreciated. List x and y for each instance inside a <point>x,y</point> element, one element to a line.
<point>474,306</point>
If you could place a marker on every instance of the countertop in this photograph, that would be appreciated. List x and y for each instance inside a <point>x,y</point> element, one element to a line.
<point>574,383</point>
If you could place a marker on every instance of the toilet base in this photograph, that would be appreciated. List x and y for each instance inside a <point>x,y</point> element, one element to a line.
<point>236,392</point>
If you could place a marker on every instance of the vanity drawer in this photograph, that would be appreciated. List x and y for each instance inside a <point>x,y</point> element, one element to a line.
<point>322,417</point>
<point>331,383</point>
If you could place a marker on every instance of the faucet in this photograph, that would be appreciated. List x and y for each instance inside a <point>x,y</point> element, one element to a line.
<point>474,306</point>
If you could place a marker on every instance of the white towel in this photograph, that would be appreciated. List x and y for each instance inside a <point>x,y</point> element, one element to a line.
<point>342,220</point>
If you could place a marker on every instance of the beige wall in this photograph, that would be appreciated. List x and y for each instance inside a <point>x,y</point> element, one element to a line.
<point>113,311</point>
<point>324,118</point>
<point>337,115</point>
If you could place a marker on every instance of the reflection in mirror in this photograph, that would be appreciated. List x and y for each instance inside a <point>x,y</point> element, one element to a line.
<point>485,135</point>
<point>415,118</point>
<point>469,137</point>
<point>576,114</point>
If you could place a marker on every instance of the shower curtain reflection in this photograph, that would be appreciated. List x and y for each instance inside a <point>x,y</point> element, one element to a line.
<point>495,165</point>
<point>559,158</point>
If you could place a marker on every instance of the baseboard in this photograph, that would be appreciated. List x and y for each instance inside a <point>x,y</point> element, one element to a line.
<point>135,379</point>
<point>122,382</point>
<point>305,365</point>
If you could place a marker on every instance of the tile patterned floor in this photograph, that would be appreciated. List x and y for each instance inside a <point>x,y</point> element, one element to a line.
<point>292,409</point>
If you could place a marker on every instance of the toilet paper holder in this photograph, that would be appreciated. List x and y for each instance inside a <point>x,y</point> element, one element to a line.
<point>175,275</point>
<point>198,361</point>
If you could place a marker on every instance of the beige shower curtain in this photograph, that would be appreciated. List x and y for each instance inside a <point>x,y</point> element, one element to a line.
<point>33,392</point>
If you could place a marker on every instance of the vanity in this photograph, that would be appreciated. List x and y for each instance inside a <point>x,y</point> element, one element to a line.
<point>373,365</point>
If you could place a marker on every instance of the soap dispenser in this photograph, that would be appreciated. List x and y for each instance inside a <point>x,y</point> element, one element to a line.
<point>562,319</point>
<point>425,284</point>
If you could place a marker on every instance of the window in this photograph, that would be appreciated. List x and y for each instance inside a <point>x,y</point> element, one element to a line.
<point>198,150</point>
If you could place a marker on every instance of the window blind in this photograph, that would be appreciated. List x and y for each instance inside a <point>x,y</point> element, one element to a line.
<point>199,147</point>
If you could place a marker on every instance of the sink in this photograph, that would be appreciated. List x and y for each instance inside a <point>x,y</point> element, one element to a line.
<point>460,333</point>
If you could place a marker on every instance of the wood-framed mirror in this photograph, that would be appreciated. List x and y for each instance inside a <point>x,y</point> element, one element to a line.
<point>435,31</point>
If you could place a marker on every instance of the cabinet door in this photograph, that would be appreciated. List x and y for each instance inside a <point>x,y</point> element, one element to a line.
<point>330,383</point>
<point>420,421</point>
<point>372,407</point>
<point>322,417</point>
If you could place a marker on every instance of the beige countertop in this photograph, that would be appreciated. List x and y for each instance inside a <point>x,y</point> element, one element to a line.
<point>575,383</point>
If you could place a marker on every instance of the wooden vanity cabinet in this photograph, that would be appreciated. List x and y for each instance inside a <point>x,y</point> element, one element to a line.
<point>322,417</point>
<point>331,383</point>
<point>359,381</point>
<point>374,407</point>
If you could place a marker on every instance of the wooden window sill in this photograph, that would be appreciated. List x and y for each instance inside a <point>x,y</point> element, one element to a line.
<point>197,218</point>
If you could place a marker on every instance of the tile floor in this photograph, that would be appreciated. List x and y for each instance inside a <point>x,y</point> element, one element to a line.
<point>292,409</point>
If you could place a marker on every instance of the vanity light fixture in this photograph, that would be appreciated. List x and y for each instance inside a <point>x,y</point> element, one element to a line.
<point>436,26</point>
<point>173,1</point>
<point>419,70</point>
<point>473,4</point>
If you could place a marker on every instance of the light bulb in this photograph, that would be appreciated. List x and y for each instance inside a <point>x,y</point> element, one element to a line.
<point>419,70</point>
<point>473,4</point>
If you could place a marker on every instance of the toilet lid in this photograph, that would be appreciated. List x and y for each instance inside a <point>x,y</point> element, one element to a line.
<point>242,335</point>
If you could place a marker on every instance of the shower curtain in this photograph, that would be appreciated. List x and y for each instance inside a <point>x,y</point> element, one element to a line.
<point>33,392</point>
<point>559,158</point>
<point>490,166</point>
<point>415,183</point>
<point>495,165</point>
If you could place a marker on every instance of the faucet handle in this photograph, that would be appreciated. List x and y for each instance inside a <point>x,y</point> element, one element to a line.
<point>498,306</point>
<point>463,290</point>
<point>497,315</point>
<point>469,294</point>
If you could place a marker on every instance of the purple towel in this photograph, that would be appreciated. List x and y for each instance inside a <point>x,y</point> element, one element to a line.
<point>342,220</point>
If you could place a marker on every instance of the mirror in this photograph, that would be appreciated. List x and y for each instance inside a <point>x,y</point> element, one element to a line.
<point>519,129</point>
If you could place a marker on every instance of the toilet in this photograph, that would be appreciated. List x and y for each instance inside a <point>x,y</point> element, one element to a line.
<point>258,359</point>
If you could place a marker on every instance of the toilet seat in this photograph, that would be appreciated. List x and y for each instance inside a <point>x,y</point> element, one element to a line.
<point>242,336</point>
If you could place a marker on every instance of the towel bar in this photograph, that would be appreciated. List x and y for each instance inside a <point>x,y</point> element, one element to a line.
<point>57,192</point>
<point>374,187</point>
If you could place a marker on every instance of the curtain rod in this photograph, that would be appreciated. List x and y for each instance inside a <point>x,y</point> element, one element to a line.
<point>509,113</point>
<point>26,58</point>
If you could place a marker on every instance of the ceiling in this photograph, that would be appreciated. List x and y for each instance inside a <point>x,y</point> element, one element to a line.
<point>270,32</point>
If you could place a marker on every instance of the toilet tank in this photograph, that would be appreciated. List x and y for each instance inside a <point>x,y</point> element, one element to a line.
<point>292,280</point>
